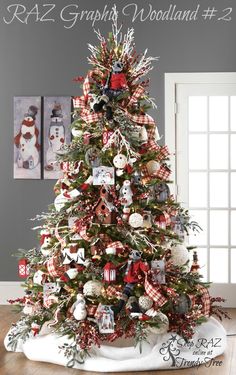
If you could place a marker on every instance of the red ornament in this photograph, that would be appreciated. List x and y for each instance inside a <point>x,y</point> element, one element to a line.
<point>109,274</point>
<point>161,222</point>
<point>23,268</point>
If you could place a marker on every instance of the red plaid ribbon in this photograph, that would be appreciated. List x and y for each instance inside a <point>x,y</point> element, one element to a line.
<point>164,172</point>
<point>54,268</point>
<point>141,119</point>
<point>153,146</point>
<point>205,299</point>
<point>154,293</point>
<point>163,153</point>
<point>136,95</point>
<point>81,102</point>
<point>82,226</point>
<point>151,129</point>
<point>59,238</point>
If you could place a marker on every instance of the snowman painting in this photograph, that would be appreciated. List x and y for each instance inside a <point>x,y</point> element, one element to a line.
<point>56,138</point>
<point>56,122</point>
<point>27,142</point>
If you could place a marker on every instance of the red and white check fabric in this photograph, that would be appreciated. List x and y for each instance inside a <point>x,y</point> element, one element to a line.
<point>136,95</point>
<point>79,101</point>
<point>59,238</point>
<point>163,153</point>
<point>153,146</point>
<point>192,299</point>
<point>142,119</point>
<point>54,268</point>
<point>205,299</point>
<point>86,86</point>
<point>163,173</point>
<point>70,166</point>
<point>151,130</point>
<point>154,293</point>
<point>90,117</point>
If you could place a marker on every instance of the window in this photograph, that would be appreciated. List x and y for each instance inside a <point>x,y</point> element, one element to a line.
<point>204,141</point>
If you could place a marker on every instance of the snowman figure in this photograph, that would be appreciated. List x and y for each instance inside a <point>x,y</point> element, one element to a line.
<point>79,308</point>
<point>56,138</point>
<point>126,194</point>
<point>26,141</point>
<point>120,161</point>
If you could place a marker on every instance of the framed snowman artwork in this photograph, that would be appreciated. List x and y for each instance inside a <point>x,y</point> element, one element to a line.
<point>27,132</point>
<point>57,120</point>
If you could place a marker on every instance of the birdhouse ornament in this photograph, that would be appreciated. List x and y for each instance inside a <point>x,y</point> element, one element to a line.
<point>23,268</point>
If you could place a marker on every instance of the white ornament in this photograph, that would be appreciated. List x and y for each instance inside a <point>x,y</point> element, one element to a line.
<point>110,250</point>
<point>145,302</point>
<point>152,167</point>
<point>76,132</point>
<point>61,200</point>
<point>72,273</point>
<point>79,308</point>
<point>136,220</point>
<point>160,318</point>
<point>126,194</point>
<point>143,135</point>
<point>39,277</point>
<point>179,255</point>
<point>120,161</point>
<point>92,288</point>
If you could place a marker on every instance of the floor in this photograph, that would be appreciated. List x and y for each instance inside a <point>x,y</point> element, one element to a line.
<point>17,364</point>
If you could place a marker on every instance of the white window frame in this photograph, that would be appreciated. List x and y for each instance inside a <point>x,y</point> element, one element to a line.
<point>171,110</point>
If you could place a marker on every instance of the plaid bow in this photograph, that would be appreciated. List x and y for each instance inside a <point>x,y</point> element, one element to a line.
<point>205,299</point>
<point>136,95</point>
<point>154,293</point>
<point>164,172</point>
<point>54,268</point>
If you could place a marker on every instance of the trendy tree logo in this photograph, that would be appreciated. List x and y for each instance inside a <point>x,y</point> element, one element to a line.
<point>197,353</point>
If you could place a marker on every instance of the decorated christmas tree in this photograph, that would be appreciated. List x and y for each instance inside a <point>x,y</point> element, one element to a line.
<point>112,261</point>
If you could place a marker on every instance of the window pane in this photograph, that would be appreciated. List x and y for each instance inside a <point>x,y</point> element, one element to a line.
<point>202,260</point>
<point>219,151</point>
<point>218,113</point>
<point>197,189</point>
<point>233,228</point>
<point>219,265</point>
<point>233,151</point>
<point>219,228</point>
<point>197,160</point>
<point>219,189</point>
<point>197,113</point>
<point>199,238</point>
<point>233,112</point>
<point>233,262</point>
<point>233,189</point>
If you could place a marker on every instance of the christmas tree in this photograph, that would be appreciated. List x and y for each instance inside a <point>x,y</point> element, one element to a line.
<point>112,260</point>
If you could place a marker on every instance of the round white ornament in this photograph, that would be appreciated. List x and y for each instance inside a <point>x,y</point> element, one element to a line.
<point>92,288</point>
<point>120,161</point>
<point>136,220</point>
<point>179,255</point>
<point>163,320</point>
<point>60,202</point>
<point>145,302</point>
<point>152,167</point>
<point>76,132</point>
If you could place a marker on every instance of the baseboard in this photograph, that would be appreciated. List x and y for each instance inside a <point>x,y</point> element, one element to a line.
<point>10,290</point>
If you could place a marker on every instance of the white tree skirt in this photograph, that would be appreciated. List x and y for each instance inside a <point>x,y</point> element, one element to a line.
<point>208,342</point>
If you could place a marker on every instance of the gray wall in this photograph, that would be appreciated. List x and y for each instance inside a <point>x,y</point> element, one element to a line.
<point>42,58</point>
